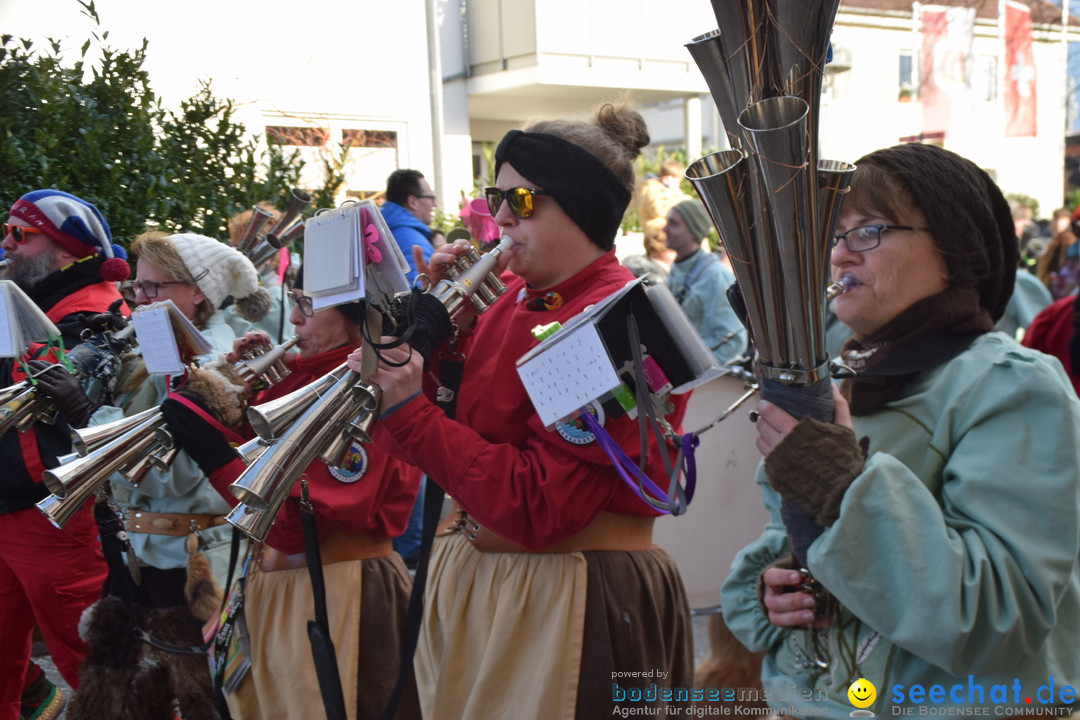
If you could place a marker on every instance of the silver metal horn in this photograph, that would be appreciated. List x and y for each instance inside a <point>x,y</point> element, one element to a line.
<point>132,446</point>
<point>73,483</point>
<point>254,233</point>
<point>772,201</point>
<point>266,483</point>
<point>323,419</point>
<point>298,200</point>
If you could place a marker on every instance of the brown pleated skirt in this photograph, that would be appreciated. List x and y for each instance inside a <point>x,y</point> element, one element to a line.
<point>366,602</point>
<point>545,636</point>
<point>637,618</point>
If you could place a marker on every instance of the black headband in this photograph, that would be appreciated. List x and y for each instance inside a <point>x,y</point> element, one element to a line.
<point>585,188</point>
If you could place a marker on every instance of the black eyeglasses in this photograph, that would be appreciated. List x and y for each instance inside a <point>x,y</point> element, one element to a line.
<point>303,302</point>
<point>151,289</point>
<point>520,200</point>
<point>426,197</point>
<point>866,237</point>
<point>18,233</point>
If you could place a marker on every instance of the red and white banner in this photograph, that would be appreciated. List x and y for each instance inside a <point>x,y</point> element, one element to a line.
<point>946,62</point>
<point>1020,98</point>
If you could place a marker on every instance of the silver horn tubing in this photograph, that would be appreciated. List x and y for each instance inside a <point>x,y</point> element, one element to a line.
<point>776,129</point>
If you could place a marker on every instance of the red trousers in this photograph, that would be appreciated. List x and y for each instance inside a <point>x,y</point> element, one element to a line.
<point>47,578</point>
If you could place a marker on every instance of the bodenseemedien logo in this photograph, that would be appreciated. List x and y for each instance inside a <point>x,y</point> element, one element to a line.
<point>862,694</point>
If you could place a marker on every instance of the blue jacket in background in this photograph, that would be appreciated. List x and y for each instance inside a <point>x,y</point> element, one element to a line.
<point>407,231</point>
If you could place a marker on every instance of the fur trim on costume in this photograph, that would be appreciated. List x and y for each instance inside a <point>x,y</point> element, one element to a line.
<point>120,677</point>
<point>201,589</point>
<point>222,389</point>
<point>123,678</point>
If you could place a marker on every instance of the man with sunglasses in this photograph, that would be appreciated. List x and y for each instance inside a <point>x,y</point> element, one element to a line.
<point>62,256</point>
<point>408,209</point>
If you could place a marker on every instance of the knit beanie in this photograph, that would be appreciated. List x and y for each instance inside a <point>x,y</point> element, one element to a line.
<point>966,214</point>
<point>76,226</point>
<point>220,271</point>
<point>353,311</point>
<point>693,214</point>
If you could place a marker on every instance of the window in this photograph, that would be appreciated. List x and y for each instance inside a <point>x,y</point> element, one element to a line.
<point>907,70</point>
<point>369,138</point>
<point>299,136</point>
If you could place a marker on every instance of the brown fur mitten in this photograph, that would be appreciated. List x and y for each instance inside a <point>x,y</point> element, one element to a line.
<point>221,390</point>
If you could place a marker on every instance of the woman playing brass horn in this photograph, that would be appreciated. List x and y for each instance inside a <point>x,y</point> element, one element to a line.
<point>358,508</point>
<point>945,498</point>
<point>551,586</point>
<point>196,273</point>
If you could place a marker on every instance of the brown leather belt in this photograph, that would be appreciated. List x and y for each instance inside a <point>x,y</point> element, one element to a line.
<point>333,547</point>
<point>607,532</point>
<point>179,524</point>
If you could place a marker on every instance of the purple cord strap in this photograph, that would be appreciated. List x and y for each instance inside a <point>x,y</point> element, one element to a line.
<point>640,482</point>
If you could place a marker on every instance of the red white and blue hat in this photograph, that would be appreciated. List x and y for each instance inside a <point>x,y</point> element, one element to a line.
<point>76,226</point>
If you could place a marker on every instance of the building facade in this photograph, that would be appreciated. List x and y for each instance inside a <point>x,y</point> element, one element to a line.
<point>431,84</point>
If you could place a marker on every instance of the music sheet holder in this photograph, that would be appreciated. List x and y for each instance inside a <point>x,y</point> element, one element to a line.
<point>582,357</point>
<point>21,321</point>
<point>167,338</point>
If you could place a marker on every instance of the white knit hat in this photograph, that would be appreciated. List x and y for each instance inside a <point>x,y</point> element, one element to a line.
<point>220,271</point>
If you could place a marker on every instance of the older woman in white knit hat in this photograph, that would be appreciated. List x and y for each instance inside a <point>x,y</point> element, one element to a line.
<point>197,274</point>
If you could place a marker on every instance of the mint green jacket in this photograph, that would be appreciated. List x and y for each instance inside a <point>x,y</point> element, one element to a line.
<point>183,488</point>
<point>955,556</point>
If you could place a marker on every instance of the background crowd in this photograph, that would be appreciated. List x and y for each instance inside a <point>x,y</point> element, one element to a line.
<point>544,583</point>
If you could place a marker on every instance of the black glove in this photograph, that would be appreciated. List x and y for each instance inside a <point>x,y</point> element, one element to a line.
<point>65,390</point>
<point>203,442</point>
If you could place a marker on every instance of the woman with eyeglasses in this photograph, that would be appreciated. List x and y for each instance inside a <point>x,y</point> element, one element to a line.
<point>944,501</point>
<point>165,506</point>
<point>358,506</point>
<point>547,598</point>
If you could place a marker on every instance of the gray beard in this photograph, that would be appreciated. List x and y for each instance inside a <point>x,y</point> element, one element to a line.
<point>27,273</point>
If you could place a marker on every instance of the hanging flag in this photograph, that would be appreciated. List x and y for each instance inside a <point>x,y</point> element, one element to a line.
<point>946,61</point>
<point>1019,72</point>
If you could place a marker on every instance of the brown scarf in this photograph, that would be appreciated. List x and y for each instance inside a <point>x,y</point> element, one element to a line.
<point>930,332</point>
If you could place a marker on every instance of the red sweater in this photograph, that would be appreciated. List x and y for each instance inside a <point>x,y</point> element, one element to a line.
<point>519,480</point>
<point>374,495</point>
<point>1051,331</point>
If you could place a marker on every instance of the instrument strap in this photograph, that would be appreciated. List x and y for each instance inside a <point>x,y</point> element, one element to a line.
<point>676,499</point>
<point>322,644</point>
<point>673,502</point>
<point>451,366</point>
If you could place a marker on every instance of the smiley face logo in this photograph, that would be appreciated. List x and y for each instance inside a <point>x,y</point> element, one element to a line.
<point>862,693</point>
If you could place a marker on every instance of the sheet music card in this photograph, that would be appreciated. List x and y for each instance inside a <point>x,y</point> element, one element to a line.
<point>569,373</point>
<point>163,332</point>
<point>333,259</point>
<point>21,321</point>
